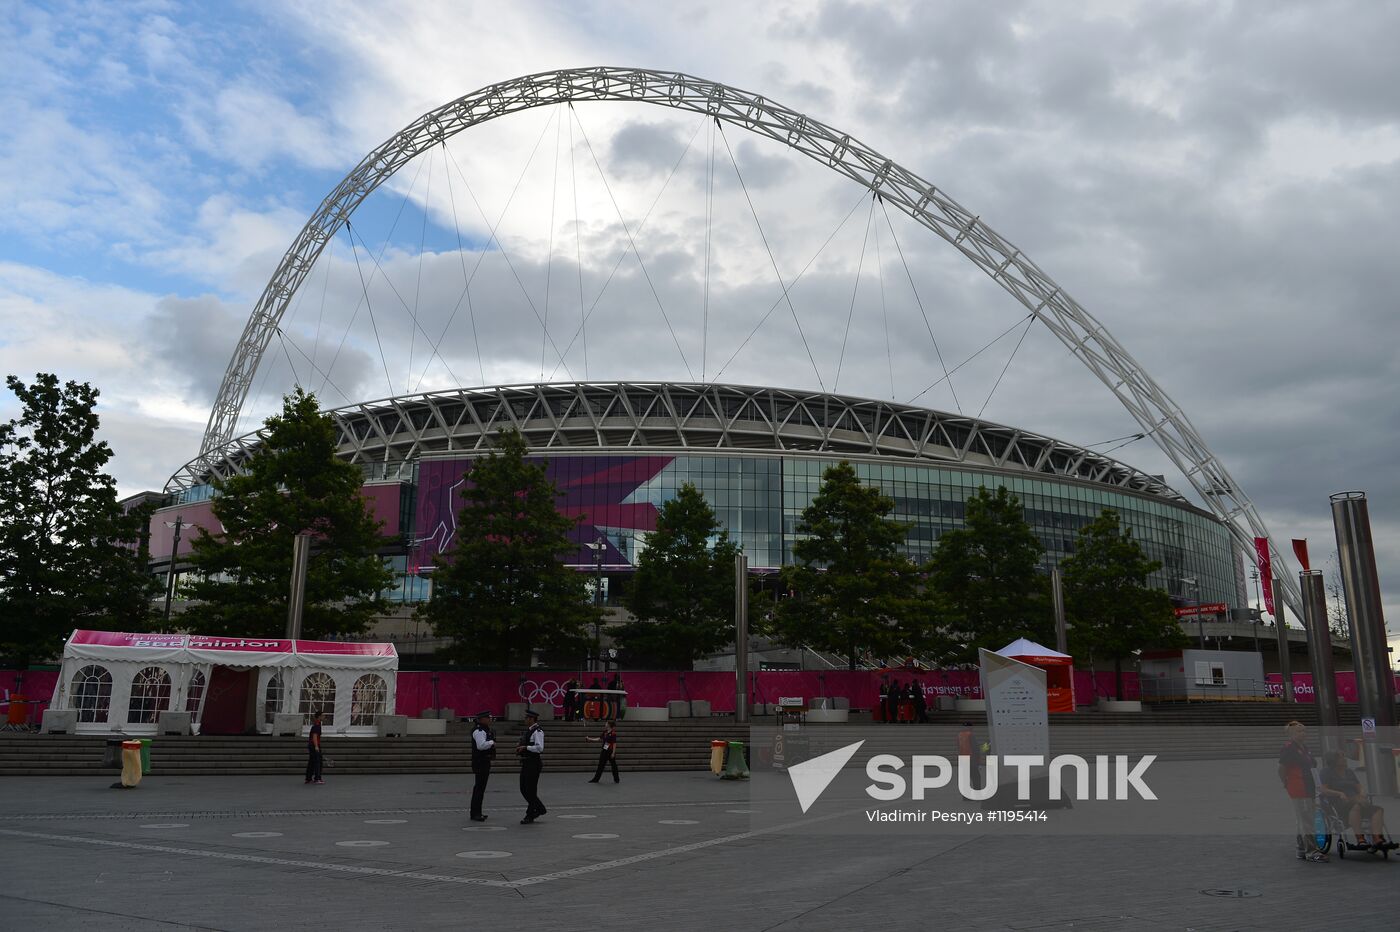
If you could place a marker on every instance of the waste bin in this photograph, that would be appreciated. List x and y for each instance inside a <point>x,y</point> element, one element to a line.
<point>145,756</point>
<point>735,767</point>
<point>131,763</point>
<point>717,749</point>
<point>112,754</point>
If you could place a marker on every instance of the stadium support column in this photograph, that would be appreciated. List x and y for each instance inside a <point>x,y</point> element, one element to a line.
<point>741,639</point>
<point>1057,598</point>
<point>1285,662</point>
<point>301,555</point>
<point>1375,684</point>
<point>1320,655</point>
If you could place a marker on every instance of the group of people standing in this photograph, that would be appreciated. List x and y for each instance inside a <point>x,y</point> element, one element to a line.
<point>903,703</point>
<point>530,749</point>
<point>575,696</point>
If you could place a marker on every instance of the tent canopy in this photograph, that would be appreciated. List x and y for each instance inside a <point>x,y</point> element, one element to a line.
<point>117,646</point>
<point>1028,650</point>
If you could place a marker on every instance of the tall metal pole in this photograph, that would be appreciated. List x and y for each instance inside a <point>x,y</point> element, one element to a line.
<point>1057,599</point>
<point>1285,662</point>
<point>1320,655</point>
<point>1200,619</point>
<point>1375,683</point>
<point>178,523</point>
<point>301,555</point>
<point>741,639</point>
<point>598,546</point>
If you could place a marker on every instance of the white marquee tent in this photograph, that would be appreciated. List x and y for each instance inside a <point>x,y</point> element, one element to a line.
<point>119,682</point>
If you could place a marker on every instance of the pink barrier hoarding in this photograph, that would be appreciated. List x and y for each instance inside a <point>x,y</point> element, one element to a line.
<point>1303,686</point>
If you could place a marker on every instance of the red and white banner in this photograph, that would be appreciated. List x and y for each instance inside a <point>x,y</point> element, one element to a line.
<point>1300,550</point>
<point>1266,572</point>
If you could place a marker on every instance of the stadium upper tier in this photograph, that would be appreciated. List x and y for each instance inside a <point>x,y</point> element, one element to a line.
<point>387,437</point>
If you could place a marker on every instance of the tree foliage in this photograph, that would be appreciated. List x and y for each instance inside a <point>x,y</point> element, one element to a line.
<point>1110,608</point>
<point>683,590</point>
<point>70,557</point>
<point>504,590</point>
<point>987,576</point>
<point>294,483</point>
<point>854,591</point>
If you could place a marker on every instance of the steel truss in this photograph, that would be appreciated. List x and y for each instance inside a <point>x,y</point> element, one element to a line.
<point>386,437</point>
<point>1086,338</point>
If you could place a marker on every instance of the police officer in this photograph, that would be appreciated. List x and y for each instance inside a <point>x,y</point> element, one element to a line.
<point>483,753</point>
<point>531,751</point>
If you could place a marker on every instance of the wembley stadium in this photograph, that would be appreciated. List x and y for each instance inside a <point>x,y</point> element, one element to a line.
<point>617,451</point>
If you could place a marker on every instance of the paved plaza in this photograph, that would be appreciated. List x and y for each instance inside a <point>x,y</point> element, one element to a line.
<point>658,851</point>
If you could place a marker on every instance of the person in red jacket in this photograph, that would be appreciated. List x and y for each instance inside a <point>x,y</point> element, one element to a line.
<point>1295,772</point>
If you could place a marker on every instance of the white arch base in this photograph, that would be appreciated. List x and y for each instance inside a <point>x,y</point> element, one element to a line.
<point>1087,339</point>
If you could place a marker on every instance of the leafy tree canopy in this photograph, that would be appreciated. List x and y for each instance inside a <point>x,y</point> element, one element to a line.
<point>854,591</point>
<point>70,557</point>
<point>1111,609</point>
<point>987,576</point>
<point>683,590</point>
<point>293,484</point>
<point>504,590</point>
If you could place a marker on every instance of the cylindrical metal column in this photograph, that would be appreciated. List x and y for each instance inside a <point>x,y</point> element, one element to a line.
<point>301,555</point>
<point>1057,598</point>
<point>1375,684</point>
<point>741,639</point>
<point>1285,662</point>
<point>1320,654</point>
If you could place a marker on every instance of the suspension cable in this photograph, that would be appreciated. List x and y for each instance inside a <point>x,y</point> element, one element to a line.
<point>632,242</point>
<point>325,375</point>
<point>369,305</point>
<point>709,224</point>
<point>466,280</point>
<point>969,359</point>
<point>1014,349</point>
<point>622,254</point>
<point>860,199</point>
<point>855,290</point>
<point>578,248</point>
<point>549,260</point>
<point>947,374</point>
<point>884,309</point>
<point>418,285</point>
<point>296,379</point>
<point>786,296</point>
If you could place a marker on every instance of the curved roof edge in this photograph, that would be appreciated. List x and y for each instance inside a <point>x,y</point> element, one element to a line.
<point>591,416</point>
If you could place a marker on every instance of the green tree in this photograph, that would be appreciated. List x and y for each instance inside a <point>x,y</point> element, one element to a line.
<point>986,575</point>
<point>504,589</point>
<point>854,590</point>
<point>683,590</point>
<point>1108,603</point>
<point>70,557</point>
<point>293,484</point>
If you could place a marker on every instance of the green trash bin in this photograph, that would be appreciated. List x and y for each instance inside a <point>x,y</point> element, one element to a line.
<point>145,757</point>
<point>735,767</point>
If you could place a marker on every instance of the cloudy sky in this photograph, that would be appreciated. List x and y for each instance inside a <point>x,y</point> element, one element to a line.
<point>1217,183</point>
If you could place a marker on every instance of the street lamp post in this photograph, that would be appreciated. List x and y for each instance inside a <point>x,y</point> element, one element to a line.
<point>177,524</point>
<point>1200,622</point>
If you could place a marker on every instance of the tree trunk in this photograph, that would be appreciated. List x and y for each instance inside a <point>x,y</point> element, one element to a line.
<point>1118,678</point>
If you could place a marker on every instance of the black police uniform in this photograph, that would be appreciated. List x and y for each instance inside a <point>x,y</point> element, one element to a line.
<point>531,750</point>
<point>483,753</point>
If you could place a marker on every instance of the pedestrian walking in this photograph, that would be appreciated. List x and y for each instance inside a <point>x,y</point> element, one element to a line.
<point>313,751</point>
<point>531,751</point>
<point>920,703</point>
<point>1295,772</point>
<point>607,754</point>
<point>483,753</point>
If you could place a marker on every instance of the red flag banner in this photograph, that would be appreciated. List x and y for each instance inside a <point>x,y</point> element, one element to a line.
<point>1266,572</point>
<point>1300,550</point>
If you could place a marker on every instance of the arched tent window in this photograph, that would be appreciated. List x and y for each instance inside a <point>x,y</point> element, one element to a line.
<point>368,699</point>
<point>273,698</point>
<point>92,693</point>
<point>318,695</point>
<point>150,695</point>
<point>194,694</point>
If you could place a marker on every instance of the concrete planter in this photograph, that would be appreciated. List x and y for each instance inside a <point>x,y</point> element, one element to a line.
<point>644,714</point>
<point>286,723</point>
<point>972,705</point>
<point>1118,705</point>
<point>828,716</point>
<point>388,725</point>
<point>427,726</point>
<point>60,721</point>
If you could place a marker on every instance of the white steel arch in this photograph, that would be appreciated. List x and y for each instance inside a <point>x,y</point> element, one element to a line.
<point>1086,338</point>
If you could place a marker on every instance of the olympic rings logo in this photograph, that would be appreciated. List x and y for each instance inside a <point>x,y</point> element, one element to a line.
<point>542,691</point>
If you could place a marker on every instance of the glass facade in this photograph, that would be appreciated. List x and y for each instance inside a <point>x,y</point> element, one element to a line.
<point>759,498</point>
